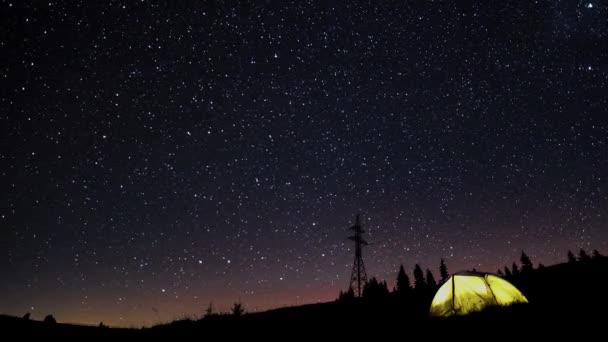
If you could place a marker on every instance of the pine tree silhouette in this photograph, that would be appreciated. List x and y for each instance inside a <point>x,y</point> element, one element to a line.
<point>596,254</point>
<point>583,256</point>
<point>499,272</point>
<point>403,281</point>
<point>571,257</point>
<point>375,289</point>
<point>369,288</point>
<point>419,283</point>
<point>237,309</point>
<point>526,263</point>
<point>507,271</point>
<point>209,310</point>
<point>515,270</point>
<point>443,271</point>
<point>346,296</point>
<point>430,280</point>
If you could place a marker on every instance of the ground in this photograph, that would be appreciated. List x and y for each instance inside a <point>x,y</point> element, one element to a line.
<point>565,299</point>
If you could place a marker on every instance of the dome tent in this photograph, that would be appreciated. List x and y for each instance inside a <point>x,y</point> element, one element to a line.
<point>467,292</point>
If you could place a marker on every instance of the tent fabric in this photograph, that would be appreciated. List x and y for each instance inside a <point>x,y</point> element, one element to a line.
<point>464,293</point>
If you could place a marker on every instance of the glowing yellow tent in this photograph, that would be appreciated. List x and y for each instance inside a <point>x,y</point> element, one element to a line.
<point>468,292</point>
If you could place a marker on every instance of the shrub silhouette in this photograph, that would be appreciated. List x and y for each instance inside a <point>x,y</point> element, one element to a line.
<point>237,309</point>
<point>49,319</point>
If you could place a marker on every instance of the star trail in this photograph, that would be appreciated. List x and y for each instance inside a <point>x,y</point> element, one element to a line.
<point>160,156</point>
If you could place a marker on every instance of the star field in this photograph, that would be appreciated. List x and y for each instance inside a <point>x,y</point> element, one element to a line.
<point>157,157</point>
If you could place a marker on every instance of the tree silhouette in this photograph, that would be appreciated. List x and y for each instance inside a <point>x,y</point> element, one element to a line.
<point>384,288</point>
<point>596,254</point>
<point>443,271</point>
<point>507,271</point>
<point>419,283</point>
<point>26,316</point>
<point>348,295</point>
<point>583,256</point>
<point>499,272</point>
<point>403,281</point>
<point>571,257</point>
<point>430,280</point>
<point>237,309</point>
<point>369,288</point>
<point>515,270</point>
<point>526,263</point>
<point>209,309</point>
<point>375,289</point>
<point>49,319</point>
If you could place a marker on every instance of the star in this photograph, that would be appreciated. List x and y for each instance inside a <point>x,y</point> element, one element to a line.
<point>256,135</point>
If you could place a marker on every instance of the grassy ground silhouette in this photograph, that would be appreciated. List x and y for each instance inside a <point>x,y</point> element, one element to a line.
<point>564,298</point>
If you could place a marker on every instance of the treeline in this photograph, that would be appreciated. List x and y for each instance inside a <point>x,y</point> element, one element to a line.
<point>425,284</point>
<point>526,265</point>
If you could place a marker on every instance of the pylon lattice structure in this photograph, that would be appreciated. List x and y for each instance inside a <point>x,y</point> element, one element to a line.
<point>358,277</point>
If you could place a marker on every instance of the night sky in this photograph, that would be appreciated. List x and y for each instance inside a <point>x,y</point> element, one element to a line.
<point>159,157</point>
